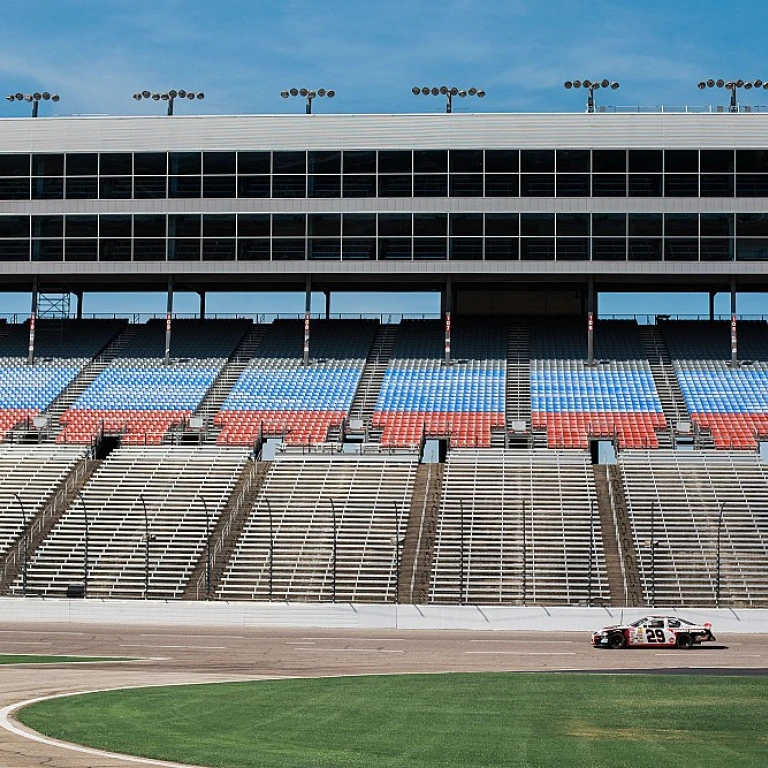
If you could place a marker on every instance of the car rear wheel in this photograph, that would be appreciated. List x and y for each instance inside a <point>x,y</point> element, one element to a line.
<point>617,640</point>
<point>684,640</point>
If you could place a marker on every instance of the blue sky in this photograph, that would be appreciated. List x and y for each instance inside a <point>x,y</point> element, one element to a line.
<point>97,53</point>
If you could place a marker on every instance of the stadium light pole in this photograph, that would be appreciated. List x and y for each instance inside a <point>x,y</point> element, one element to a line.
<point>449,93</point>
<point>207,547</point>
<point>148,538</point>
<point>591,86</point>
<point>309,95</point>
<point>169,96</point>
<point>86,564</point>
<point>733,86</point>
<point>717,560</point>
<point>271,551</point>
<point>25,545</point>
<point>33,98</point>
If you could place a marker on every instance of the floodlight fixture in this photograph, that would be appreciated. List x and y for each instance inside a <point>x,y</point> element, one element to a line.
<point>591,86</point>
<point>449,92</point>
<point>733,86</point>
<point>309,95</point>
<point>33,98</point>
<point>169,96</point>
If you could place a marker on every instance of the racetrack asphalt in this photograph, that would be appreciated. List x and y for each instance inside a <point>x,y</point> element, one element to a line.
<point>184,655</point>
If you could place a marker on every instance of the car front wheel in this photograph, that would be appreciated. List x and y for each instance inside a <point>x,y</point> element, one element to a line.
<point>617,640</point>
<point>684,640</point>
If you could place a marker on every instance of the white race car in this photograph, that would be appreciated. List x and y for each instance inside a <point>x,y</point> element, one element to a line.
<point>653,631</point>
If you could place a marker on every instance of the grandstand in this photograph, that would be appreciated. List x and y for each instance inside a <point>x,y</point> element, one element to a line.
<point>516,449</point>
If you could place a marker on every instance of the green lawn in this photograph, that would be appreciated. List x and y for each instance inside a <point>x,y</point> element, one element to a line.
<point>425,721</point>
<point>28,658</point>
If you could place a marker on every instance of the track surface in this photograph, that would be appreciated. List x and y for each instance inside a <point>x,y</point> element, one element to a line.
<point>183,655</point>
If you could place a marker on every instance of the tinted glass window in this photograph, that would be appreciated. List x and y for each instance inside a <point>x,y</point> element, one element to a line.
<point>324,224</point>
<point>502,161</point>
<point>430,185</point>
<point>253,225</point>
<point>218,162</point>
<point>289,162</point>
<point>537,224</point>
<point>184,163</point>
<point>643,224</point>
<point>752,160</point>
<point>716,224</point>
<point>501,224</point>
<point>47,165</point>
<point>149,225</point>
<point>183,225</point>
<point>81,226</point>
<point>430,223</point>
<point>47,226</point>
<point>537,160</point>
<point>752,225</point>
<point>360,162</point>
<point>147,163</point>
<point>430,161</point>
<point>253,162</point>
<point>325,162</point>
<point>324,186</point>
<point>537,184</point>
<point>289,225</point>
<point>572,224</point>
<point>116,164</point>
<point>681,224</point>
<point>359,224</point>
<point>466,160</point>
<point>646,160</point>
<point>466,223</point>
<point>253,186</point>
<point>609,160</point>
<point>82,164</point>
<point>219,225</point>
<point>609,224</point>
<point>681,161</point>
<point>115,226</point>
<point>395,224</point>
<point>573,160</point>
<point>716,160</point>
<point>394,161</point>
<point>573,185</point>
<point>14,165</point>
<point>14,226</point>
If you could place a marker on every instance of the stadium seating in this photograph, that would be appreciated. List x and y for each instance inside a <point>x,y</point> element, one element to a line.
<point>616,398</point>
<point>34,473</point>
<point>61,351</point>
<point>139,397</point>
<point>420,395</point>
<point>530,533</point>
<point>731,403</point>
<point>278,395</point>
<point>170,481</point>
<point>675,498</point>
<point>371,496</point>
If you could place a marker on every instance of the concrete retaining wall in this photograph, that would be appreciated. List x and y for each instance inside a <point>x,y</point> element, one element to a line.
<point>356,615</point>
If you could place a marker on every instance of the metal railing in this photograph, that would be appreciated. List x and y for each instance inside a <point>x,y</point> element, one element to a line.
<point>49,509</point>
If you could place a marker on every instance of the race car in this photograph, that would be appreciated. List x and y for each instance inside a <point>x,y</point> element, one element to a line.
<point>653,632</point>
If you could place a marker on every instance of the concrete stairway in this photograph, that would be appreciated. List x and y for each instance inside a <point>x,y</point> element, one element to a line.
<point>419,544</point>
<point>226,379</point>
<point>518,391</point>
<point>625,538</point>
<point>226,531</point>
<point>372,377</point>
<point>613,560</point>
<point>672,401</point>
<point>85,378</point>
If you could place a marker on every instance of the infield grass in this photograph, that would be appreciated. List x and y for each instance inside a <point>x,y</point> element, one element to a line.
<point>425,721</point>
<point>27,658</point>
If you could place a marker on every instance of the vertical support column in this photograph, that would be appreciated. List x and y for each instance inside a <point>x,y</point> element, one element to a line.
<point>734,337</point>
<point>79,310</point>
<point>448,310</point>
<point>590,338</point>
<point>712,295</point>
<point>307,311</point>
<point>168,315</point>
<point>201,294</point>
<point>327,304</point>
<point>32,320</point>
